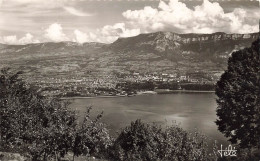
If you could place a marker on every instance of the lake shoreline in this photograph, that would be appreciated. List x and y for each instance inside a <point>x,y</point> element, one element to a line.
<point>182,91</point>
<point>141,93</point>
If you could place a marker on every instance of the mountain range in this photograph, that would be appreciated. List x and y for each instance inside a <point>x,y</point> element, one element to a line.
<point>160,52</point>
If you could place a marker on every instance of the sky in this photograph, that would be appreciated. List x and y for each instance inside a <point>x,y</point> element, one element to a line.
<point>35,21</point>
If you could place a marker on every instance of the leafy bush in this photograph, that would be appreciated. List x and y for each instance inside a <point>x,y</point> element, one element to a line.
<point>91,138</point>
<point>141,141</point>
<point>44,127</point>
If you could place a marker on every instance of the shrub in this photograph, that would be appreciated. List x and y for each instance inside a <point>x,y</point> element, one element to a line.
<point>91,138</point>
<point>44,127</point>
<point>141,141</point>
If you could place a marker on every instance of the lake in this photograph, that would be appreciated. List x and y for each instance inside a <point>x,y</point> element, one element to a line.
<point>190,110</point>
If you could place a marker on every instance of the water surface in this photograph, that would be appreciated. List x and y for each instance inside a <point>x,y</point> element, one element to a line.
<point>190,110</point>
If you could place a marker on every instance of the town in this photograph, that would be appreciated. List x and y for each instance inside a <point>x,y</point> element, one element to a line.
<point>126,84</point>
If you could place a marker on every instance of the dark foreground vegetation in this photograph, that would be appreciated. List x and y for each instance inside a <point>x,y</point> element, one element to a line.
<point>238,92</point>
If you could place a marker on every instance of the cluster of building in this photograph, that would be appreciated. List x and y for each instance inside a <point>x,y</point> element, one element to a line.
<point>107,84</point>
<point>194,77</point>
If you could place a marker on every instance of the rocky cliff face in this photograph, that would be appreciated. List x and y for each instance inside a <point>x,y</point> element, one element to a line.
<point>162,41</point>
<point>158,43</point>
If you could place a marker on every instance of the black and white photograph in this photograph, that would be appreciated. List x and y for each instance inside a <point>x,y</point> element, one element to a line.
<point>129,80</point>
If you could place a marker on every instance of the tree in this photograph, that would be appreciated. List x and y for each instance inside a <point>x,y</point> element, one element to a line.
<point>238,92</point>
<point>11,88</point>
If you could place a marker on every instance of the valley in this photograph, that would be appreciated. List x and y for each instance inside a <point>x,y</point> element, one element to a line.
<point>91,69</point>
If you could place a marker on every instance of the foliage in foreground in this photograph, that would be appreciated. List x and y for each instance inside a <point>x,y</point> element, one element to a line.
<point>141,141</point>
<point>43,127</point>
<point>238,101</point>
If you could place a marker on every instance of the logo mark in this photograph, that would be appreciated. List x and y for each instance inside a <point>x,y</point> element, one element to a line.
<point>229,151</point>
